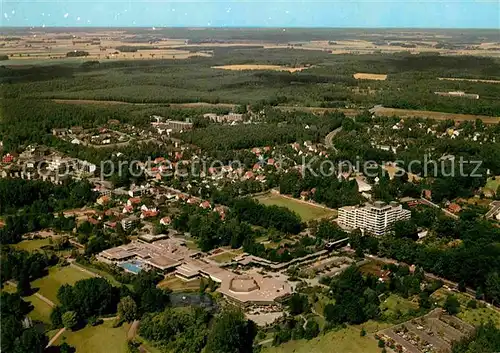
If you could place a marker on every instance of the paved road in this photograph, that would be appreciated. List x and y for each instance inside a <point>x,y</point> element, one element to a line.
<point>269,340</point>
<point>38,295</point>
<point>445,211</point>
<point>54,339</point>
<point>329,138</point>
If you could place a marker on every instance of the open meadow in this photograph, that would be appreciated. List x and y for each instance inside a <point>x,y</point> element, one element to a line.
<point>346,340</point>
<point>32,245</point>
<point>305,210</point>
<point>50,284</point>
<point>41,310</point>
<point>102,338</point>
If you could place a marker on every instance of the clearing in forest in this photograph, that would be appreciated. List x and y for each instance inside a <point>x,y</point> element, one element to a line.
<point>306,210</point>
<point>467,79</point>
<point>258,67</point>
<point>367,76</point>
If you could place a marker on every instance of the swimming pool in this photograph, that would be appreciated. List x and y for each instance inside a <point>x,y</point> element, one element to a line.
<point>133,266</point>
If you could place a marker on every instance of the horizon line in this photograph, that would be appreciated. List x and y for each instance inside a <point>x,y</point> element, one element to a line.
<point>245,27</point>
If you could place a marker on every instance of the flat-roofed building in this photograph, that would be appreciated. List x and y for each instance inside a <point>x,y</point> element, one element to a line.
<point>376,218</point>
<point>242,290</point>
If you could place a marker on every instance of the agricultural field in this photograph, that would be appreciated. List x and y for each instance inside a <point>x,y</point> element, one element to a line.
<point>346,340</point>
<point>410,113</point>
<point>50,284</point>
<point>366,76</point>
<point>259,67</point>
<point>305,210</point>
<point>467,80</point>
<point>97,339</point>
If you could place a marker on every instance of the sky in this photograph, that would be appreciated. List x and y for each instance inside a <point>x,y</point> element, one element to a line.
<point>252,13</point>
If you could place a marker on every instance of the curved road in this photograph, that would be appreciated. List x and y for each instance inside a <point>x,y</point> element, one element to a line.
<point>329,139</point>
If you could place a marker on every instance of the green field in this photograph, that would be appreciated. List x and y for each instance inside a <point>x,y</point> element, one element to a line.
<point>481,314</point>
<point>31,245</point>
<point>98,339</point>
<point>395,303</point>
<point>226,256</point>
<point>178,285</point>
<point>50,284</point>
<point>347,340</point>
<point>41,310</point>
<point>493,183</point>
<point>306,211</point>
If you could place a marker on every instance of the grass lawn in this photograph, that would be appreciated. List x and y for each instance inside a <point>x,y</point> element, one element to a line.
<point>102,273</point>
<point>41,310</point>
<point>49,285</point>
<point>179,285</point>
<point>481,314</point>
<point>346,340</point>
<point>493,183</point>
<point>226,256</point>
<point>394,302</point>
<point>323,301</point>
<point>373,267</point>
<point>191,244</point>
<point>306,211</point>
<point>98,339</point>
<point>31,245</point>
<point>147,345</point>
<point>372,326</point>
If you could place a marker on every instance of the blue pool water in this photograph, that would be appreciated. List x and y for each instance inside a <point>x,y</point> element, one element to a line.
<point>132,266</point>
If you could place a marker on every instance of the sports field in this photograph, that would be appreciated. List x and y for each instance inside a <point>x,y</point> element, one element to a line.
<point>31,245</point>
<point>98,339</point>
<point>346,340</point>
<point>305,210</point>
<point>50,284</point>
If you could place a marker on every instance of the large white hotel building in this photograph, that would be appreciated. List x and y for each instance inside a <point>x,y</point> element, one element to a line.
<point>376,218</point>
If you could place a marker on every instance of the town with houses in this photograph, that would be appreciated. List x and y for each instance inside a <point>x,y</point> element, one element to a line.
<point>259,208</point>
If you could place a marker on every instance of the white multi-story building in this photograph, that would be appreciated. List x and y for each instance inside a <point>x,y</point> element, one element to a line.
<point>376,218</point>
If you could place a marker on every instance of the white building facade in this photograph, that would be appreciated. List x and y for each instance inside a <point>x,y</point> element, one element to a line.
<point>376,218</point>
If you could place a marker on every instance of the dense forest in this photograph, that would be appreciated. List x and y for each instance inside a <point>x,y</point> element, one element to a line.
<point>328,82</point>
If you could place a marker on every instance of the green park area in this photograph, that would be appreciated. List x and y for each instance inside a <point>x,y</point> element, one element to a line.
<point>493,183</point>
<point>346,340</point>
<point>472,314</point>
<point>178,285</point>
<point>102,338</point>
<point>305,210</point>
<point>32,245</point>
<point>50,284</point>
<point>41,310</point>
<point>394,305</point>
